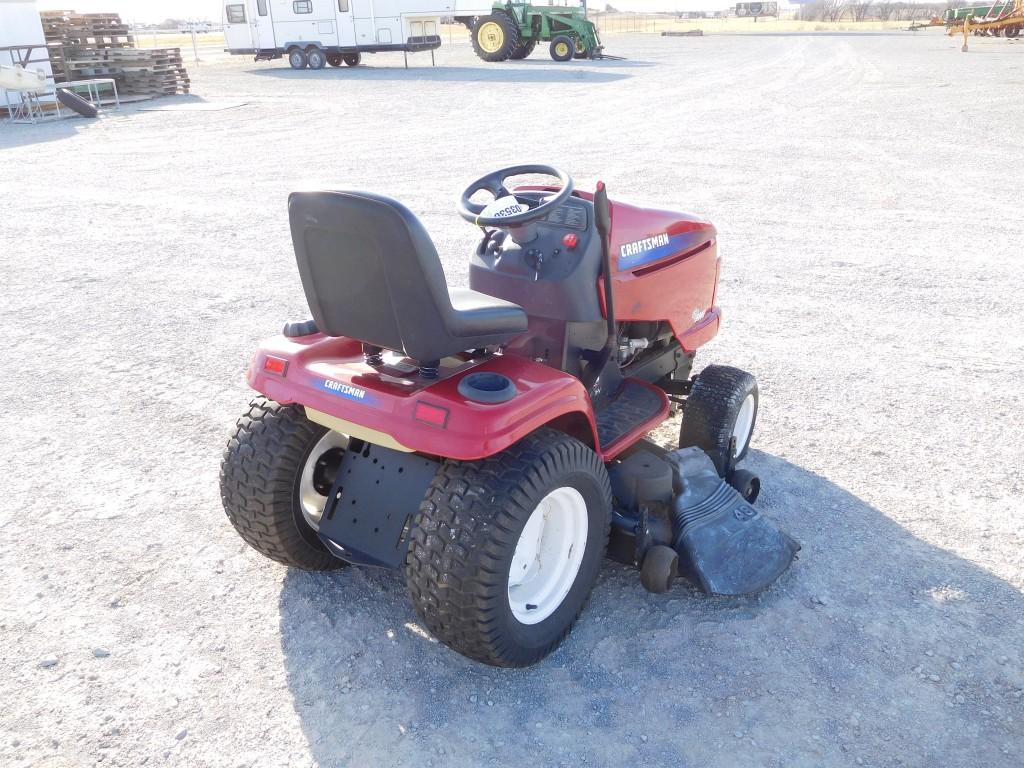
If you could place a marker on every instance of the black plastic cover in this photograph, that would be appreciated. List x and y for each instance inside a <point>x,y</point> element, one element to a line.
<point>723,542</point>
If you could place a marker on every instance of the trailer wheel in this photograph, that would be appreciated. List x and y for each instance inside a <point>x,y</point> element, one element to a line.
<point>494,37</point>
<point>505,551</point>
<point>524,49</point>
<point>277,470</point>
<point>317,59</point>
<point>562,48</point>
<point>352,59</point>
<point>334,59</point>
<point>722,405</point>
<point>297,58</point>
<point>1012,32</point>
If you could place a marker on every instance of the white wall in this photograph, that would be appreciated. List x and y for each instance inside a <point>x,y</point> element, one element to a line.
<point>20,25</point>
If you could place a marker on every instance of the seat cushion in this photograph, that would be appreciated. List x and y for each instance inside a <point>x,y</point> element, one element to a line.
<point>477,314</point>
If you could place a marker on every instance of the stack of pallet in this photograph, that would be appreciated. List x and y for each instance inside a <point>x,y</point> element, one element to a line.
<point>87,45</point>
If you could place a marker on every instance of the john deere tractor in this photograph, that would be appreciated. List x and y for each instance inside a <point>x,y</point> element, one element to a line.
<point>512,30</point>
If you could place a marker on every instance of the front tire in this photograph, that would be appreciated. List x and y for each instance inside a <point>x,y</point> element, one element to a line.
<point>494,567</point>
<point>722,405</point>
<point>270,459</point>
<point>562,48</point>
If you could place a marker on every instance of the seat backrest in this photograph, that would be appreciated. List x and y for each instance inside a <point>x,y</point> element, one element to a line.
<point>369,270</point>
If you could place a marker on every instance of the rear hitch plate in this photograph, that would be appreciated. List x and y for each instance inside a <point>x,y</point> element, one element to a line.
<point>373,502</point>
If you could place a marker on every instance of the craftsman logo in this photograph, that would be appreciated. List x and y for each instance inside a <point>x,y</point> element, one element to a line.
<point>343,390</point>
<point>642,246</point>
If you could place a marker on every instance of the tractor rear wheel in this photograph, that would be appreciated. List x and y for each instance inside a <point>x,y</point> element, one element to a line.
<point>562,48</point>
<point>277,471</point>
<point>494,37</point>
<point>721,406</point>
<point>524,49</point>
<point>505,551</point>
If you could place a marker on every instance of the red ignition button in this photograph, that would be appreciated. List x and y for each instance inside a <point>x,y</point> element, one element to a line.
<point>570,240</point>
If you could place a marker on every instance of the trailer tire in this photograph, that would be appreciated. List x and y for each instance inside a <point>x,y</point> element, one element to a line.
<point>721,405</point>
<point>524,49</point>
<point>334,59</point>
<point>260,476</point>
<point>562,48</point>
<point>297,58</point>
<point>352,59</point>
<point>76,103</point>
<point>467,546</point>
<point>1012,32</point>
<point>316,58</point>
<point>494,37</point>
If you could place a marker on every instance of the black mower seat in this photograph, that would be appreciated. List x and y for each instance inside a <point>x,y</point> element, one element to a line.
<point>370,272</point>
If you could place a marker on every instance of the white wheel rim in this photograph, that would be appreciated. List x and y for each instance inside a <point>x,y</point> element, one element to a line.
<point>548,555</point>
<point>312,501</point>
<point>744,424</point>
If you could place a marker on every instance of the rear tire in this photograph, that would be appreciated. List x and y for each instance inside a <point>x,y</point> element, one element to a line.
<point>562,48</point>
<point>524,49</point>
<point>722,404</point>
<point>297,58</point>
<point>472,572</point>
<point>334,59</point>
<point>260,477</point>
<point>316,58</point>
<point>494,37</point>
<point>352,59</point>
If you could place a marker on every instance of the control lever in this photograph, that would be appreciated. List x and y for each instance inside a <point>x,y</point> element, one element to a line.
<point>537,266</point>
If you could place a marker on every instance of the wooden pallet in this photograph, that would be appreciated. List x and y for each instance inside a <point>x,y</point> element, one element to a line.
<point>83,45</point>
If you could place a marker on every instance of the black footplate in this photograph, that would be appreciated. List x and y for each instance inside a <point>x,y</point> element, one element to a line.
<point>634,404</point>
<point>723,542</point>
<point>372,503</point>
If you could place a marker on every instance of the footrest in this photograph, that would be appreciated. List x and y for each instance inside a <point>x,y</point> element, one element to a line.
<point>637,407</point>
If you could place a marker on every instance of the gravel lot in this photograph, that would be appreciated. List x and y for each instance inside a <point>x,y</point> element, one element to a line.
<point>867,191</point>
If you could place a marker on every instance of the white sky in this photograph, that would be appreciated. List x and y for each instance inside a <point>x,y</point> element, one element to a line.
<point>147,11</point>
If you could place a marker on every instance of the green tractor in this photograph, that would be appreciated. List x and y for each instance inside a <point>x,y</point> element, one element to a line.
<point>512,30</point>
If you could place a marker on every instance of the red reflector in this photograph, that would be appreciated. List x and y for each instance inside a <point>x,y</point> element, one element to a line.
<point>570,240</point>
<point>434,415</point>
<point>275,365</point>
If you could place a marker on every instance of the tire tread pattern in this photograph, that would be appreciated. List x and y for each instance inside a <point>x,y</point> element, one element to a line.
<point>465,529</point>
<point>257,483</point>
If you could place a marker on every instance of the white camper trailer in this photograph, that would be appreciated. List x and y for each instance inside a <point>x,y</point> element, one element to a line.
<point>314,33</point>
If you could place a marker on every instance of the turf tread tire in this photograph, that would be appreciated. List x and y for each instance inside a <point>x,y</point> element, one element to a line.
<point>711,410</point>
<point>466,531</point>
<point>258,484</point>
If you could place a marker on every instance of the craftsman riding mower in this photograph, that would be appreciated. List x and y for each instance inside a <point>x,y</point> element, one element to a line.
<point>488,440</point>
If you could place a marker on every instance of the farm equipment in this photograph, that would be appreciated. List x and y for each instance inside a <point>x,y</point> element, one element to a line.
<point>1003,19</point>
<point>512,31</point>
<point>488,440</point>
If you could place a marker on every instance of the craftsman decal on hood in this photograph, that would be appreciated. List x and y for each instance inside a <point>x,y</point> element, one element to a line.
<point>649,249</point>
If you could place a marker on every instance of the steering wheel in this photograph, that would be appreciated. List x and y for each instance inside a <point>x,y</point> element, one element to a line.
<point>495,184</point>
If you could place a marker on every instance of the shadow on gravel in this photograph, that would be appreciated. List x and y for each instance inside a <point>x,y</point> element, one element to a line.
<point>875,647</point>
<point>528,74</point>
<point>22,134</point>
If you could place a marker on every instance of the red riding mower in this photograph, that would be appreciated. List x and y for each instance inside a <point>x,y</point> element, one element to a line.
<point>487,440</point>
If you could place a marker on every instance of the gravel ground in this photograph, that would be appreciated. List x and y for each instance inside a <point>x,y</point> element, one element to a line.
<point>867,191</point>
